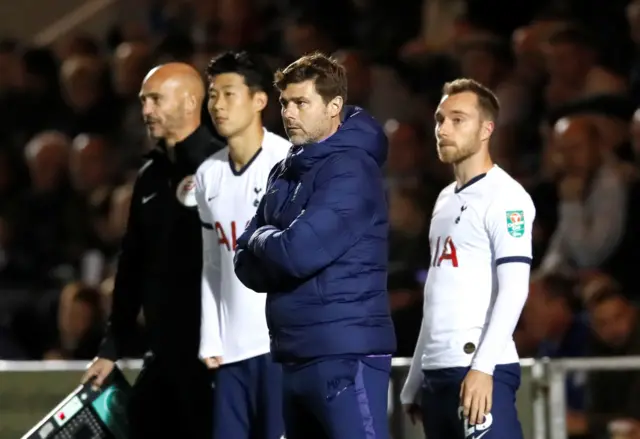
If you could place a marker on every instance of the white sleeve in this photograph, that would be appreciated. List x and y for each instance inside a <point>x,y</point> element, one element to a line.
<point>411,388</point>
<point>509,223</point>
<point>210,334</point>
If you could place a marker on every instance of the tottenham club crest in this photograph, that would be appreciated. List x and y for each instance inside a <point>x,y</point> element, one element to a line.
<point>186,192</point>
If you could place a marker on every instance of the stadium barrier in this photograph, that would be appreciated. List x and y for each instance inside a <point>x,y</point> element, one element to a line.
<point>555,377</point>
<point>29,389</point>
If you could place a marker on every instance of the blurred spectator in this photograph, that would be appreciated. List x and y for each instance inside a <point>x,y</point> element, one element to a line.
<point>92,109</point>
<point>10,96</point>
<point>572,61</point>
<point>91,169</point>
<point>80,45</point>
<point>529,43</point>
<point>178,47</point>
<point>80,323</point>
<point>131,62</point>
<point>610,114</point>
<point>589,185</point>
<point>552,317</point>
<point>612,395</point>
<point>489,60</point>
<point>303,34</point>
<point>635,136</point>
<point>47,232</point>
<point>407,154</point>
<point>41,91</point>
<point>378,89</point>
<point>10,66</point>
<point>408,264</point>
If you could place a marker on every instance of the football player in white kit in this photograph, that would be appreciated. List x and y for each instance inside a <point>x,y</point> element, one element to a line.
<point>465,370</point>
<point>229,186</point>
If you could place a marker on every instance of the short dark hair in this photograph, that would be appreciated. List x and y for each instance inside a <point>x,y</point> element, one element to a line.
<point>562,287</point>
<point>255,71</point>
<point>487,100</point>
<point>572,34</point>
<point>329,76</point>
<point>607,291</point>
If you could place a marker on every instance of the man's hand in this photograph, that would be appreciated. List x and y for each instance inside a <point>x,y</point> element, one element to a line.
<point>257,236</point>
<point>414,411</point>
<point>476,395</point>
<point>572,188</point>
<point>213,362</point>
<point>99,370</point>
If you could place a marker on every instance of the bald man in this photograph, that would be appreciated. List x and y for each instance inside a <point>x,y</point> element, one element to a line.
<point>593,195</point>
<point>159,271</point>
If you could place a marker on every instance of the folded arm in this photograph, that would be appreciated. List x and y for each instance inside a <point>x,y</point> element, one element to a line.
<point>338,213</point>
<point>251,271</point>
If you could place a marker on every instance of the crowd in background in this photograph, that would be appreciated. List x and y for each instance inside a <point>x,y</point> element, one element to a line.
<point>568,79</point>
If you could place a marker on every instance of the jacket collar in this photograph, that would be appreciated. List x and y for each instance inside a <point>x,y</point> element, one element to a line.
<point>193,150</point>
<point>358,131</point>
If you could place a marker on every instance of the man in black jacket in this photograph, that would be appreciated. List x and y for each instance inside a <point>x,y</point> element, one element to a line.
<point>159,270</point>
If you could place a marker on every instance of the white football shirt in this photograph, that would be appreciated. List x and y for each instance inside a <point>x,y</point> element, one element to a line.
<point>477,283</point>
<point>233,322</point>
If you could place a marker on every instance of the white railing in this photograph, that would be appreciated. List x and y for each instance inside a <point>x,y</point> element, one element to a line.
<point>48,382</point>
<point>58,365</point>
<point>556,375</point>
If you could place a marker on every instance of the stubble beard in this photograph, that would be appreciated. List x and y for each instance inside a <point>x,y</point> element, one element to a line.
<point>453,155</point>
<point>313,135</point>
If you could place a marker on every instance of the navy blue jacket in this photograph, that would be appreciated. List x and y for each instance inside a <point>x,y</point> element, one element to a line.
<point>318,247</point>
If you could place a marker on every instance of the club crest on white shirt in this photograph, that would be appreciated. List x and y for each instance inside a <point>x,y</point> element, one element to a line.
<point>186,191</point>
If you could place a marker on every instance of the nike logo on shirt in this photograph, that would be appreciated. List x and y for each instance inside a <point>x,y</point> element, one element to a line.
<point>148,198</point>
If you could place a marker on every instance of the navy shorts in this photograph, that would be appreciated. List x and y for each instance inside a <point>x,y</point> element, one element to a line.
<point>248,400</point>
<point>442,416</point>
<point>337,398</point>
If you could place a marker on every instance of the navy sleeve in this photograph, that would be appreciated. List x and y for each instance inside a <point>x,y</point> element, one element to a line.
<point>249,269</point>
<point>339,211</point>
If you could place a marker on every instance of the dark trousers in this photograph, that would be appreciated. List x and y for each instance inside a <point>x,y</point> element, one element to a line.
<point>248,400</point>
<point>442,412</point>
<point>337,399</point>
<point>171,399</point>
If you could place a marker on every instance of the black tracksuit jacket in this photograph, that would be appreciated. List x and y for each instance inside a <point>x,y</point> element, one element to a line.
<point>160,266</point>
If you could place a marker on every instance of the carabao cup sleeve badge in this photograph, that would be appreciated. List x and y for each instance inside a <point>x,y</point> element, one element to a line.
<point>515,223</point>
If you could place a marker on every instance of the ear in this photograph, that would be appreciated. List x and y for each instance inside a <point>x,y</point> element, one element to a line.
<point>335,106</point>
<point>487,129</point>
<point>191,104</point>
<point>260,100</point>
